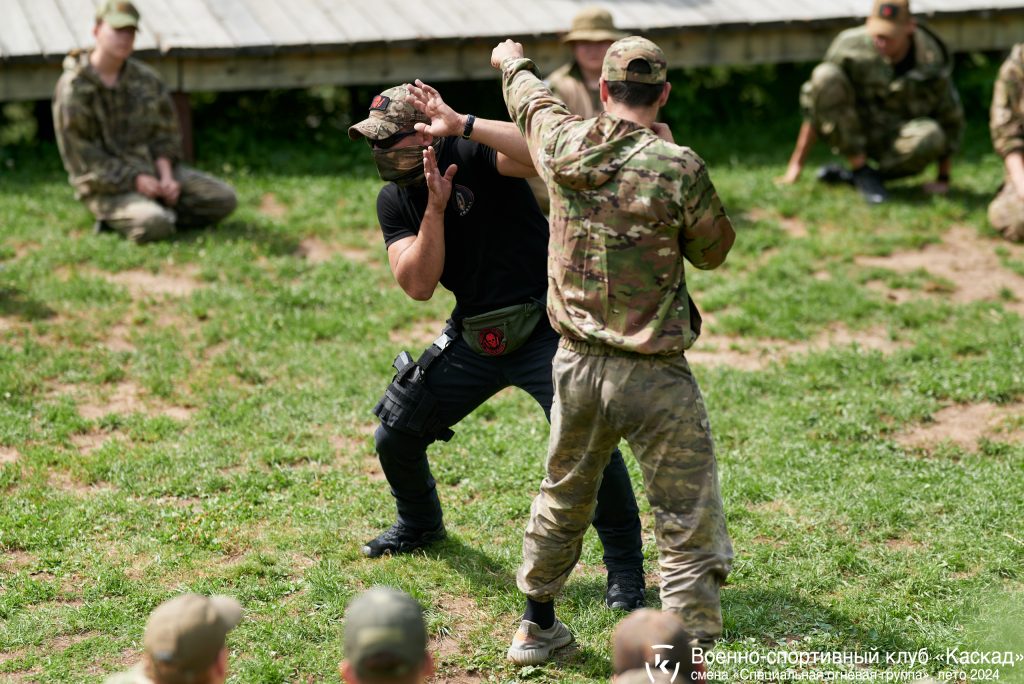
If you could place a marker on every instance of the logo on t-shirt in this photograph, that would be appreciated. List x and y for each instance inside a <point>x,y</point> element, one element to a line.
<point>463,199</point>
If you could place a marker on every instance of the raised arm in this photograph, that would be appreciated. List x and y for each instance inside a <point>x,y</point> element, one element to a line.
<point>513,158</point>
<point>417,261</point>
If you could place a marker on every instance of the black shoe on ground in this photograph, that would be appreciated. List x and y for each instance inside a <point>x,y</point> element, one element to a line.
<point>834,174</point>
<point>401,539</point>
<point>100,226</point>
<point>869,183</point>
<point>625,590</point>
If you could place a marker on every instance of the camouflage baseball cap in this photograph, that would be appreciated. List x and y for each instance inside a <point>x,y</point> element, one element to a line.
<point>390,112</point>
<point>623,52</point>
<point>593,24</point>
<point>119,14</point>
<point>385,636</point>
<point>184,635</point>
<point>889,17</point>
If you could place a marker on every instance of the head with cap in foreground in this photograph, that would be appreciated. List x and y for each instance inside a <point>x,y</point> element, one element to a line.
<point>652,645</point>
<point>892,28</point>
<point>385,640</point>
<point>184,641</point>
<point>116,24</point>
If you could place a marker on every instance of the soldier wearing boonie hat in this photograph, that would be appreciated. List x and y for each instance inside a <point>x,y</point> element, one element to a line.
<point>883,94</point>
<point>184,642</point>
<point>385,639</point>
<point>575,83</point>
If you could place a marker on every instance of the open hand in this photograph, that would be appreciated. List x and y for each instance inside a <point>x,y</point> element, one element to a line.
<point>791,176</point>
<point>439,185</point>
<point>504,50</point>
<point>147,185</point>
<point>444,121</point>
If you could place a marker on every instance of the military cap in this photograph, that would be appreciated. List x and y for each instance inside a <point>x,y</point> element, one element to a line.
<point>593,24</point>
<point>385,636</point>
<point>390,112</point>
<point>184,635</point>
<point>889,17</point>
<point>119,14</point>
<point>623,52</point>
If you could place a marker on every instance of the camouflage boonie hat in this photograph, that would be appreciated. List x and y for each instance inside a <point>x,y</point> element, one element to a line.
<point>184,635</point>
<point>621,53</point>
<point>385,636</point>
<point>118,14</point>
<point>889,17</point>
<point>593,24</point>
<point>390,112</point>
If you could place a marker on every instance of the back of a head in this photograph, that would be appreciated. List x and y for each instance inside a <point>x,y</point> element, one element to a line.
<point>636,71</point>
<point>648,637</point>
<point>385,637</point>
<point>185,636</point>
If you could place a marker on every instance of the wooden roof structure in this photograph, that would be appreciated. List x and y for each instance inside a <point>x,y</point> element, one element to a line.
<point>213,45</point>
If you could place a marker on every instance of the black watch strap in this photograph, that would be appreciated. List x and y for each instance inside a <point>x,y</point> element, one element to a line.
<point>468,129</point>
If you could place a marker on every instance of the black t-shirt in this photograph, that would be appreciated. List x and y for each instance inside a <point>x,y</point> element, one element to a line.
<point>495,235</point>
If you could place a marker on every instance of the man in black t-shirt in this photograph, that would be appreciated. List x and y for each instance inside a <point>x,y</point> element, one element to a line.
<point>457,212</point>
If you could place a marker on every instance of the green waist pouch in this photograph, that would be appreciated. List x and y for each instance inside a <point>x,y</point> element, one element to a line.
<point>501,331</point>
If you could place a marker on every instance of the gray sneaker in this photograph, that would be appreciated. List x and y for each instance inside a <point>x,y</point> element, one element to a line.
<point>532,645</point>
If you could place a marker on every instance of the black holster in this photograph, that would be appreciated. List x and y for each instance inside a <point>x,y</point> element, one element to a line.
<point>407,405</point>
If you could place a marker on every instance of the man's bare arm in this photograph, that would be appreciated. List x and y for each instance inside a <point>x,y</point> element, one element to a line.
<point>804,142</point>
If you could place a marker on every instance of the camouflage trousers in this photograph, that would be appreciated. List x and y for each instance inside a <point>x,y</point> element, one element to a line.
<point>602,396</point>
<point>828,101</point>
<point>204,200</point>
<point>1006,213</point>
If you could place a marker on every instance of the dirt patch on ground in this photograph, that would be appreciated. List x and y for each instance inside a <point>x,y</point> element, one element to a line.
<point>124,398</point>
<point>416,336</point>
<point>172,282</point>
<point>91,441</point>
<point>14,560</point>
<point>794,227</point>
<point>270,206</point>
<point>755,354</point>
<point>966,425</point>
<point>963,258</point>
<point>451,642</point>
<point>316,251</point>
<point>8,455</point>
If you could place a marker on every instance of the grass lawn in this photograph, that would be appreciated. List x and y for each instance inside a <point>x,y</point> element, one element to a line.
<point>196,415</point>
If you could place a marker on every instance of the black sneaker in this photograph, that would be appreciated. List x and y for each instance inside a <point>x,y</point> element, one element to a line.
<point>100,227</point>
<point>401,539</point>
<point>834,174</point>
<point>625,590</point>
<point>869,183</point>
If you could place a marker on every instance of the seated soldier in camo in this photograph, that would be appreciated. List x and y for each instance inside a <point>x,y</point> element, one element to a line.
<point>118,136</point>
<point>1006,213</point>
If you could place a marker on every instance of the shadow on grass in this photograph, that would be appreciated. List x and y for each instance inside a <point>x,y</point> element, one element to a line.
<point>270,241</point>
<point>486,575</point>
<point>14,302</point>
<point>913,194</point>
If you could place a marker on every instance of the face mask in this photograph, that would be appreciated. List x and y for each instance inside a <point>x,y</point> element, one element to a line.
<point>404,165</point>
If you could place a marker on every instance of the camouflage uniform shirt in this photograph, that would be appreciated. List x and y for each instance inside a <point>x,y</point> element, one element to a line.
<point>626,206</point>
<point>108,136</point>
<point>566,83</point>
<point>1007,115</point>
<point>886,101</point>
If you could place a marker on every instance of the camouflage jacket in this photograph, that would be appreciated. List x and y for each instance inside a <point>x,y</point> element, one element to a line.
<point>108,136</point>
<point>886,101</point>
<point>626,207</point>
<point>1006,122</point>
<point>566,83</point>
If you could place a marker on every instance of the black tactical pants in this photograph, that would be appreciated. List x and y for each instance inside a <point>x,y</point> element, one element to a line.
<point>462,380</point>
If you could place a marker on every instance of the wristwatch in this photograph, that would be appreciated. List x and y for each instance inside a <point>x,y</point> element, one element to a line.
<point>468,129</point>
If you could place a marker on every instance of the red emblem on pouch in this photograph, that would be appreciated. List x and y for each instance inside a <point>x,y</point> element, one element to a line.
<point>492,341</point>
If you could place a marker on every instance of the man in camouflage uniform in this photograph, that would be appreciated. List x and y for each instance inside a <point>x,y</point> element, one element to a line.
<point>1006,213</point>
<point>627,206</point>
<point>885,93</point>
<point>575,83</point>
<point>118,136</point>
<point>184,642</point>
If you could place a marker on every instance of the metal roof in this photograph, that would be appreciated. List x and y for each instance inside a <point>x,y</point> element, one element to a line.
<point>43,30</point>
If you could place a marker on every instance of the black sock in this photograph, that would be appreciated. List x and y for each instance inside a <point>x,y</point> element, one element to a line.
<point>541,613</point>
